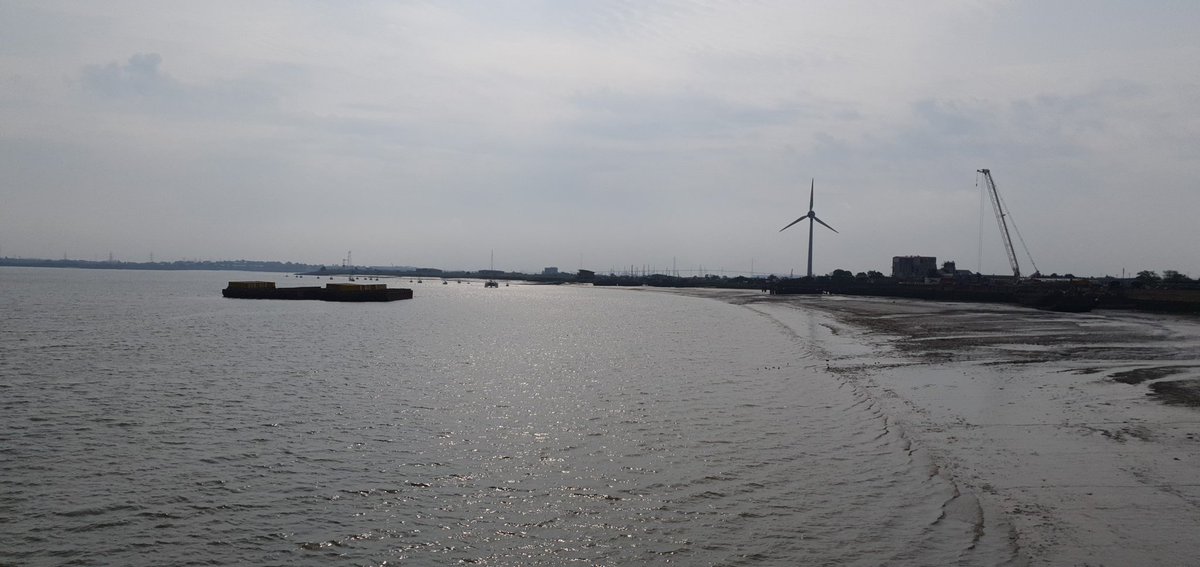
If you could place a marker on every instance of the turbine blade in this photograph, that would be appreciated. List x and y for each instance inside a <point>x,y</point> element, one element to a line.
<point>793,222</point>
<point>823,223</point>
<point>812,185</point>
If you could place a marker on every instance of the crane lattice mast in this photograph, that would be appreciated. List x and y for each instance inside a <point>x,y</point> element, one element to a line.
<point>1001,220</point>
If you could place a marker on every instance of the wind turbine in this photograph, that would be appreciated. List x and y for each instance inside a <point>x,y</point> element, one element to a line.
<point>811,216</point>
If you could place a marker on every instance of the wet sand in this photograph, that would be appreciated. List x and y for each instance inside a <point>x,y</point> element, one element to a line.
<point>1080,431</point>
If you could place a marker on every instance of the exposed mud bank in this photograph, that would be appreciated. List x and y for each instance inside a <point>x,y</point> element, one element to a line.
<point>1082,430</point>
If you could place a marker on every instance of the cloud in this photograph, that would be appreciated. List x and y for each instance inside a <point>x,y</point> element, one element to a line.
<point>139,78</point>
<point>672,117</point>
<point>140,84</point>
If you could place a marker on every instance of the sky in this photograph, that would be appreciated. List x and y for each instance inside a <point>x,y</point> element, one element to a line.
<point>602,134</point>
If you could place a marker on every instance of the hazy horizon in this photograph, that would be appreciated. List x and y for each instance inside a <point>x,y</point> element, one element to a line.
<point>601,135</point>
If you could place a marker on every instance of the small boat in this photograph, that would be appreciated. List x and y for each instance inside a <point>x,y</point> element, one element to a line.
<point>491,283</point>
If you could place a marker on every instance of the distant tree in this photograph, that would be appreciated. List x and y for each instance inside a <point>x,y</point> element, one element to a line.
<point>874,274</point>
<point>860,276</point>
<point>1172,276</point>
<point>841,274</point>
<point>1148,277</point>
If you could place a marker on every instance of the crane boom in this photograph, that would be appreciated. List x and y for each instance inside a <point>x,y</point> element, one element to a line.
<point>1000,220</point>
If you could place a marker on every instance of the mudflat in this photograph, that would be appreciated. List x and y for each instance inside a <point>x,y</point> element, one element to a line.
<point>1082,431</point>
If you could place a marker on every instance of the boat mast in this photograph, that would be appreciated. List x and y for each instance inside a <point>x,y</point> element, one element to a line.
<point>1002,221</point>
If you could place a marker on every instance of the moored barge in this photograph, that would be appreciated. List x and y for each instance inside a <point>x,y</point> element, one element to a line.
<point>331,292</point>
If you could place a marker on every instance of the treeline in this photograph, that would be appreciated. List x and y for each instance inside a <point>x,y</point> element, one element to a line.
<point>1170,279</point>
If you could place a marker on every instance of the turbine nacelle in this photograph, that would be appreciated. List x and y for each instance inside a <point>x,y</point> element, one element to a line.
<point>810,215</point>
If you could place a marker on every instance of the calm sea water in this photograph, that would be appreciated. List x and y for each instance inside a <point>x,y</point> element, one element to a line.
<point>146,420</point>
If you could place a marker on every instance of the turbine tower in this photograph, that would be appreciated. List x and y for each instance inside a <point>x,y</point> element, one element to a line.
<point>811,216</point>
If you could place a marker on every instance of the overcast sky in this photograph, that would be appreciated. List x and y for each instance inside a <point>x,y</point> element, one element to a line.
<point>601,134</point>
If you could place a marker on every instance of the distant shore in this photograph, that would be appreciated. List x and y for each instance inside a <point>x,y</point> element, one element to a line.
<point>219,265</point>
<point>1115,295</point>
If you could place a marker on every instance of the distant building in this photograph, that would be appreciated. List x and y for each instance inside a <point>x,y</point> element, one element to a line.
<point>586,275</point>
<point>551,271</point>
<point>913,267</point>
<point>950,270</point>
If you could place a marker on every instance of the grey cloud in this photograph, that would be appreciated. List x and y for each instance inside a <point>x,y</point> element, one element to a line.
<point>140,84</point>
<point>622,116</point>
<point>946,118</point>
<point>140,77</point>
<point>1020,129</point>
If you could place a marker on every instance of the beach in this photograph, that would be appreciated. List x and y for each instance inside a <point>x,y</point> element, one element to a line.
<point>1079,431</point>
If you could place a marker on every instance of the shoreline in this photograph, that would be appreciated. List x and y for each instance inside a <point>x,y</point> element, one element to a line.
<point>1081,430</point>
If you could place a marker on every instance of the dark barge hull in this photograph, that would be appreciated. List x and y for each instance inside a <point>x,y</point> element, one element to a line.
<point>331,292</point>
<point>1044,297</point>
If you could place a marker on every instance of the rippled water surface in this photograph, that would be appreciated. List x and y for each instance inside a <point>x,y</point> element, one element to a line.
<point>146,420</point>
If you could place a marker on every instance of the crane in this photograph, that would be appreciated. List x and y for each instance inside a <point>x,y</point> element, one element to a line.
<point>1002,220</point>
